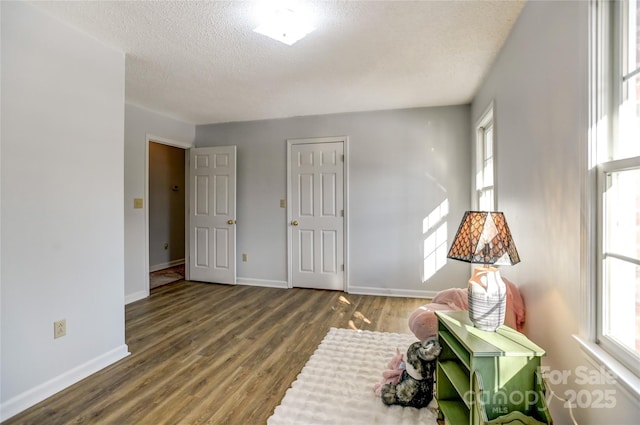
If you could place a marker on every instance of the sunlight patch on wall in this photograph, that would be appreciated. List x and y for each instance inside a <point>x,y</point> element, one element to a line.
<point>434,230</point>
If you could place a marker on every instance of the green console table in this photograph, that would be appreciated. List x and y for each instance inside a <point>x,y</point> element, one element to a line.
<point>487,378</point>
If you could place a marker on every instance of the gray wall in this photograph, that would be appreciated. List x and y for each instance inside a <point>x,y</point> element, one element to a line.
<point>166,205</point>
<point>139,123</point>
<point>62,190</point>
<point>539,85</point>
<point>402,165</point>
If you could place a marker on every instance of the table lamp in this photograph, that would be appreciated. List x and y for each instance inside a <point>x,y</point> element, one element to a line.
<point>484,238</point>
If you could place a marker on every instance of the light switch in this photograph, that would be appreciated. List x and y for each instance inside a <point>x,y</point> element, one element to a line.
<point>137,203</point>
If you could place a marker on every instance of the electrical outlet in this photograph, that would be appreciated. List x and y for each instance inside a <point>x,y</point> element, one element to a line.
<point>59,328</point>
<point>244,257</point>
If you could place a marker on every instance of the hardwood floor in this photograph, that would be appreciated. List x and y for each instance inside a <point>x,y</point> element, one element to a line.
<point>215,354</point>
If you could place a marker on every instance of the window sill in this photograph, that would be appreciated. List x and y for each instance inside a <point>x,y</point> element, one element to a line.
<point>624,377</point>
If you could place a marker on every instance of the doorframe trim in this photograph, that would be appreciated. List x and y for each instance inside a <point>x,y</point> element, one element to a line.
<point>178,144</point>
<point>345,219</point>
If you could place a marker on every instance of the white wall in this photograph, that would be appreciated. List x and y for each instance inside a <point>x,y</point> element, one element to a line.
<point>62,190</point>
<point>138,124</point>
<point>539,85</point>
<point>402,165</point>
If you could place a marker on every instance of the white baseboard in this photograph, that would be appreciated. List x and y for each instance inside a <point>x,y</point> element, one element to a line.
<point>128,299</point>
<point>390,292</point>
<point>359,290</point>
<point>163,266</point>
<point>261,282</point>
<point>35,395</point>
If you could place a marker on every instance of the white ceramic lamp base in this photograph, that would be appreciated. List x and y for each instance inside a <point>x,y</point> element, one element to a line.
<point>487,298</point>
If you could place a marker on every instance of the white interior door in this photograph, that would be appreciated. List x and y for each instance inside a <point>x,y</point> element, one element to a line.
<point>316,214</point>
<point>212,214</point>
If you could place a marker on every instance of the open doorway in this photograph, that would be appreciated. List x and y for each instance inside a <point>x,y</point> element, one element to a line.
<point>167,196</point>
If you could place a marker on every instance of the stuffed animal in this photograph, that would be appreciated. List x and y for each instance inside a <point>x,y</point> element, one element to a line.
<point>415,386</point>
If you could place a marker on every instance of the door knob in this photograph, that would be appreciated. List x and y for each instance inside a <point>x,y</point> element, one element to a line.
<point>230,221</point>
<point>294,223</point>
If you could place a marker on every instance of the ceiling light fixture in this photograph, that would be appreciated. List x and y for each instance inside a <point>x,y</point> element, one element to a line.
<point>285,26</point>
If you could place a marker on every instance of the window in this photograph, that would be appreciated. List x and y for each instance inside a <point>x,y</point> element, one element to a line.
<point>616,155</point>
<point>484,195</point>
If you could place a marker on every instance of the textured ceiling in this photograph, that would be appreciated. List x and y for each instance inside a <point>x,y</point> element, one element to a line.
<point>201,62</point>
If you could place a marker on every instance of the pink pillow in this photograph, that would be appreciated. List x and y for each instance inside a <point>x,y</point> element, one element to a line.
<point>424,323</point>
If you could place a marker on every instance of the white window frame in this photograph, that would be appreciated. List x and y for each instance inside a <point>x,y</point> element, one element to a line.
<point>485,125</point>
<point>614,348</point>
<point>604,50</point>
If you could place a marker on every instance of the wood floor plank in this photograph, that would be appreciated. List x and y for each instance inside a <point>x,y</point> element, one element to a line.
<point>214,354</point>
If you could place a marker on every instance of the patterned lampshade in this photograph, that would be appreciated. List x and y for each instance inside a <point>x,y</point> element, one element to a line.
<point>484,238</point>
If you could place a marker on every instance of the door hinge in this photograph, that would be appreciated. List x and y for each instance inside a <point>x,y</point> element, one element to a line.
<point>342,267</point>
<point>342,157</point>
<point>341,213</point>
